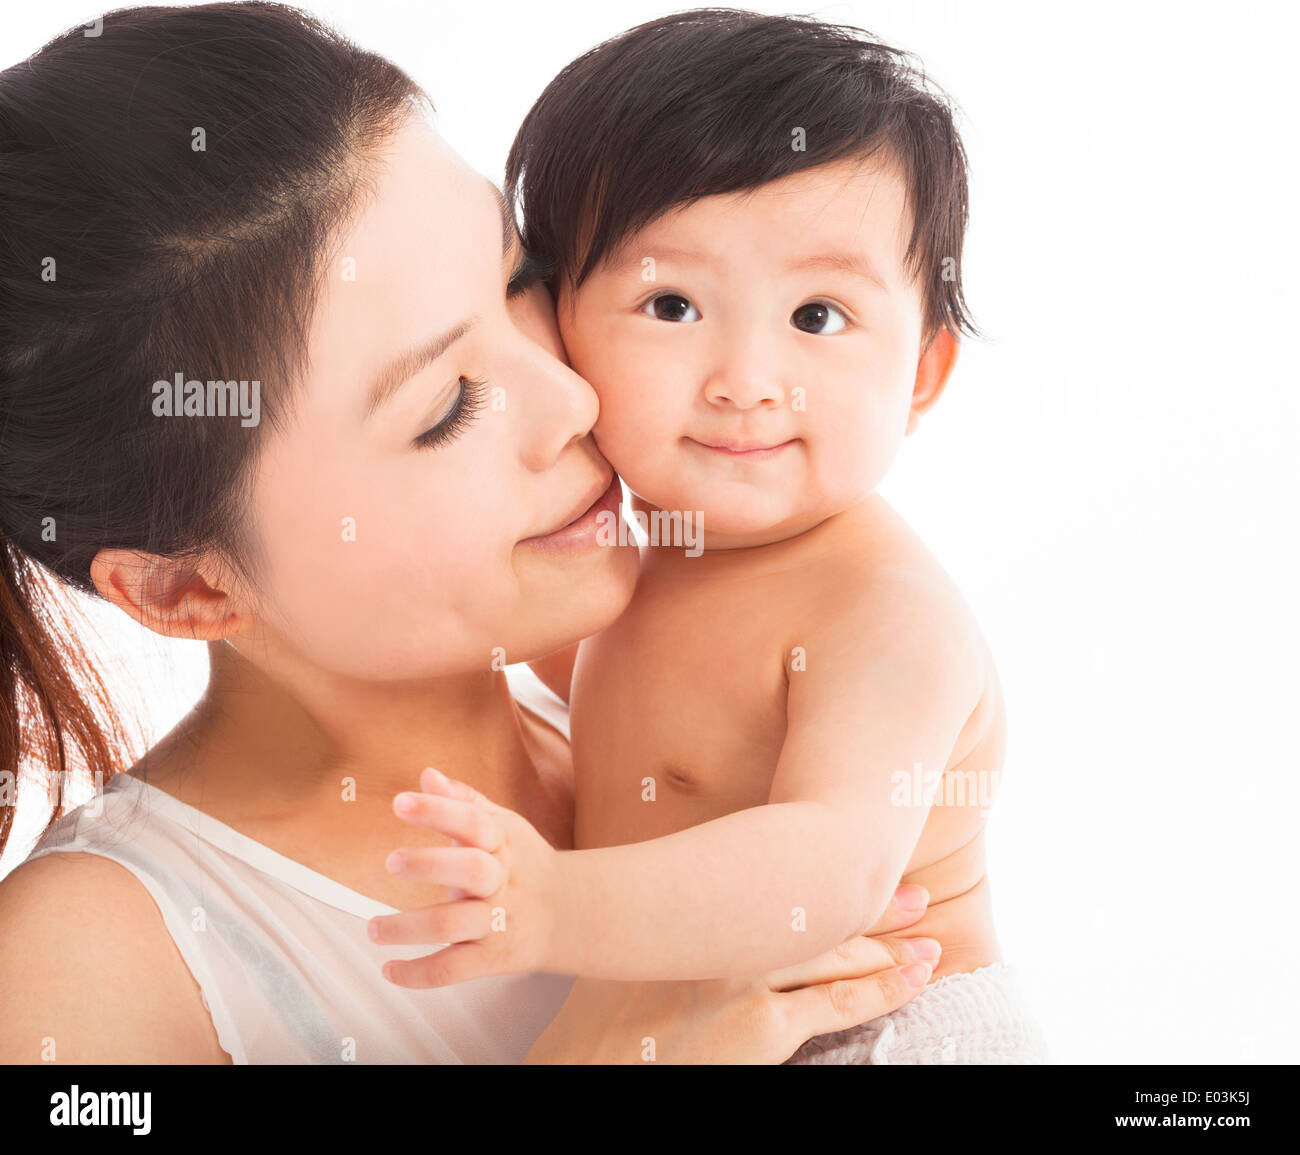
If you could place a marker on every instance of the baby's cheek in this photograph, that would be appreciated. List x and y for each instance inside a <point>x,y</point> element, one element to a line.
<point>626,424</point>
<point>851,457</point>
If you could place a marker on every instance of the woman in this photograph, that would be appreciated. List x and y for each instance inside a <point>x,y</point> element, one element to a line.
<point>232,193</point>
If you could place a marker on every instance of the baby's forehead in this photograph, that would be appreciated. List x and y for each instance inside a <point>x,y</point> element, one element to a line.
<point>850,213</point>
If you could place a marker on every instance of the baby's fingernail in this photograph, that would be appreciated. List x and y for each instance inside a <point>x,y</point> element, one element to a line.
<point>928,949</point>
<point>439,778</point>
<point>405,803</point>
<point>394,863</point>
<point>387,971</point>
<point>912,897</point>
<point>917,975</point>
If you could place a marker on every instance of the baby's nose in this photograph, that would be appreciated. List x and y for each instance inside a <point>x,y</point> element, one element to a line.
<point>751,388</point>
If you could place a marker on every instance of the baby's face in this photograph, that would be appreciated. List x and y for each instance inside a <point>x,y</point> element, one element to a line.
<point>755,354</point>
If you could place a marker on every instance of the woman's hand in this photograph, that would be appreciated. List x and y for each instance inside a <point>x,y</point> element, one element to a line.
<point>763,1020</point>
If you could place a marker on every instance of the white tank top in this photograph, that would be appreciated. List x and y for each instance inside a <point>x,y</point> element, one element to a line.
<point>280,952</point>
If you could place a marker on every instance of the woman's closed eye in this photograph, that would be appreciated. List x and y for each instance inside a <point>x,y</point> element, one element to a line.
<point>671,307</point>
<point>469,401</point>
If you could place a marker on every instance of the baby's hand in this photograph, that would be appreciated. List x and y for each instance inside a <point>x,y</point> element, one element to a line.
<point>501,871</point>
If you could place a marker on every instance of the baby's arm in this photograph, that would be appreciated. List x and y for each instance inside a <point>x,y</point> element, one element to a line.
<point>889,684</point>
<point>886,687</point>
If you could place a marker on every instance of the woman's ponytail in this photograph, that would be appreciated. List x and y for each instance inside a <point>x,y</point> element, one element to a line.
<point>55,711</point>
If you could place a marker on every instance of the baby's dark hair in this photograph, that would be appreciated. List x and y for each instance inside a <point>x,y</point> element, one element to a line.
<point>719,100</point>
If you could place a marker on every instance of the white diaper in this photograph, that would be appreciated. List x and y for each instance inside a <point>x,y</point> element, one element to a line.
<point>974,1017</point>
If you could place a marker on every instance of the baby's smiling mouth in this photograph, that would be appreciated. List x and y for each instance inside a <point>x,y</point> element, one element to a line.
<point>743,449</point>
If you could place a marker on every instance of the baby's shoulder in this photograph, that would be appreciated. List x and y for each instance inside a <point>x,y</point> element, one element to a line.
<point>882,585</point>
<point>871,553</point>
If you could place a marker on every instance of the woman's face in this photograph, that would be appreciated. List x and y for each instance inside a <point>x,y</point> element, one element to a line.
<point>406,512</point>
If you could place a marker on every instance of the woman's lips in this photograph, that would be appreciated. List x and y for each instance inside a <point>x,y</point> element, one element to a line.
<point>580,533</point>
<point>744,450</point>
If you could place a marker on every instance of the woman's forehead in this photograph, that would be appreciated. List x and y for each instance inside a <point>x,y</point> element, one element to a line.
<point>422,191</point>
<point>423,250</point>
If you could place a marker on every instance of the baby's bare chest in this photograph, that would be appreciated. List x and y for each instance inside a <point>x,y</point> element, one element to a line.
<point>679,710</point>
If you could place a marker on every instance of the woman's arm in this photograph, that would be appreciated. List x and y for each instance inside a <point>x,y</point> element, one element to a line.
<point>90,973</point>
<point>763,1020</point>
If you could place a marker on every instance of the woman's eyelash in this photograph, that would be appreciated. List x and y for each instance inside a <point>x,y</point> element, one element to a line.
<point>468,404</point>
<point>531,269</point>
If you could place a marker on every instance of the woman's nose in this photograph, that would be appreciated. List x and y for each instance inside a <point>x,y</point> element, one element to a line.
<point>558,406</point>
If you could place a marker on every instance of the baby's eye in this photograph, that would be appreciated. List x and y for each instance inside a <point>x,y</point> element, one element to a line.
<point>818,318</point>
<point>670,307</point>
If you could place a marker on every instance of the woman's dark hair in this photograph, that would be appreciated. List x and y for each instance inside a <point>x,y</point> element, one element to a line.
<point>168,186</point>
<point>708,101</point>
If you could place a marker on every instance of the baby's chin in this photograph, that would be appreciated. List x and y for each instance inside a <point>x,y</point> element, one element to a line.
<point>733,511</point>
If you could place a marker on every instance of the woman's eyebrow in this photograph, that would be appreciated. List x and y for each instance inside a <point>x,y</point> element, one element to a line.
<point>405,365</point>
<point>509,229</point>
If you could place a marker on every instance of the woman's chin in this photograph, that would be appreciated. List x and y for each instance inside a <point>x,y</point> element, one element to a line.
<point>577,599</point>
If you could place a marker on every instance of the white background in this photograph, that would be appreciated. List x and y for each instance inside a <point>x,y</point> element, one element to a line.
<point>1111,478</point>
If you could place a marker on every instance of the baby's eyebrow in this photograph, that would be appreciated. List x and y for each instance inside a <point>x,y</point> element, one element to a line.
<point>855,263</point>
<point>630,256</point>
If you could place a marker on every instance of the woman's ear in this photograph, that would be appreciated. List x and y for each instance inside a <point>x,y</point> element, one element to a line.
<point>178,599</point>
<point>932,372</point>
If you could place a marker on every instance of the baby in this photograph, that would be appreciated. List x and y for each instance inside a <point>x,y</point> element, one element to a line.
<point>754,229</point>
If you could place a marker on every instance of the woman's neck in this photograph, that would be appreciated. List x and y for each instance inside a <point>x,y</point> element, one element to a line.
<point>263,747</point>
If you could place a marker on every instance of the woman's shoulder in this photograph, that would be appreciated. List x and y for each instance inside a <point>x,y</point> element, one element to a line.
<point>101,980</point>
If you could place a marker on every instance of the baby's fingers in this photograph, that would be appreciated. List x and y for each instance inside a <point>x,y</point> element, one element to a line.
<point>475,873</point>
<point>465,920</point>
<point>453,964</point>
<point>436,782</point>
<point>468,823</point>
